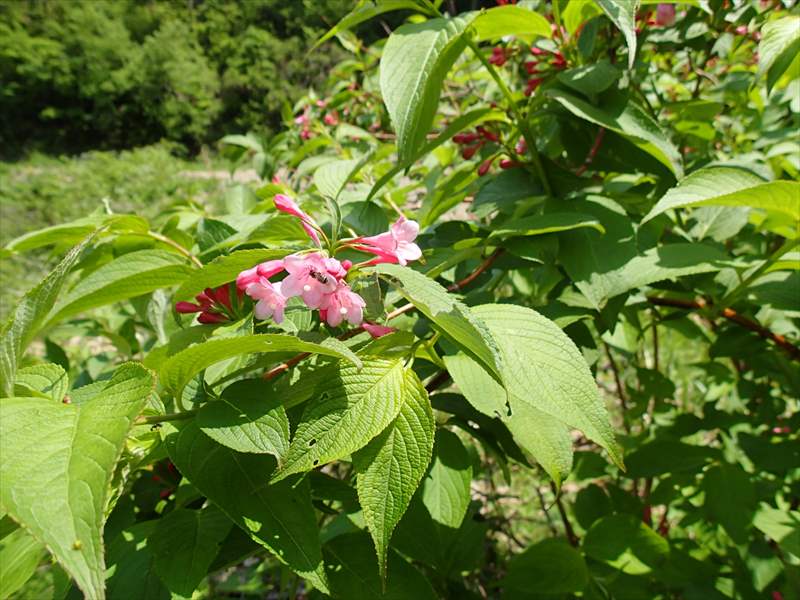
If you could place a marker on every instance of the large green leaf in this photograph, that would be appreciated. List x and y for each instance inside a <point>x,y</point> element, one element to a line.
<point>731,186</point>
<point>58,460</point>
<point>626,543</point>
<point>413,66</point>
<point>547,223</point>
<point>547,567</point>
<point>176,372</point>
<point>778,47</point>
<point>391,466</point>
<point>546,438</point>
<point>543,368</point>
<point>446,489</point>
<point>623,14</point>
<point>278,516</point>
<point>356,406</point>
<point>74,231</point>
<point>730,499</point>
<point>500,21</point>
<point>130,275</point>
<point>247,418</point>
<point>629,120</point>
<point>27,318</point>
<point>455,320</point>
<point>224,269</point>
<point>184,544</point>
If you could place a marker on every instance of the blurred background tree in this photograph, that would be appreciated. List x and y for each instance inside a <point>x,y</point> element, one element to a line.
<point>118,74</point>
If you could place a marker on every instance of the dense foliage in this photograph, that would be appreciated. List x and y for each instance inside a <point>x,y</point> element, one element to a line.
<point>513,313</point>
<point>96,73</point>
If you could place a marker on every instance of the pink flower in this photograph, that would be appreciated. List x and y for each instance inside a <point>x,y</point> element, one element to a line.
<point>331,118</point>
<point>377,331</point>
<point>270,300</point>
<point>342,303</point>
<point>396,245</point>
<point>665,15</point>
<point>285,204</point>
<point>310,277</point>
<point>265,269</point>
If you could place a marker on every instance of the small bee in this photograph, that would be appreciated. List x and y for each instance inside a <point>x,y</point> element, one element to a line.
<point>321,277</point>
<point>156,427</point>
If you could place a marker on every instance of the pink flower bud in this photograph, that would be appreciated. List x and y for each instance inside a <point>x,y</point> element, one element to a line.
<point>377,331</point>
<point>665,15</point>
<point>485,166</point>
<point>187,307</point>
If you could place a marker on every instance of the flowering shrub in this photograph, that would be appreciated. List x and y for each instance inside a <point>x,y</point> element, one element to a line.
<point>512,314</point>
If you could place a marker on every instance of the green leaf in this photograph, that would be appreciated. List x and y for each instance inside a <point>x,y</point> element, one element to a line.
<point>184,544</point>
<point>782,526</point>
<point>730,186</point>
<point>578,13</point>
<point>224,269</point>
<point>548,567</point>
<point>131,571</point>
<point>446,489</point>
<point>20,554</point>
<point>353,575</point>
<point>455,320</point>
<point>465,121</point>
<point>500,21</point>
<point>623,14</point>
<point>779,45</point>
<point>47,380</point>
<point>280,516</point>
<point>356,405</point>
<point>391,466</point>
<point>247,419</point>
<point>27,318</point>
<point>546,438</point>
<point>73,232</point>
<point>413,66</point>
<point>543,368</point>
<point>730,500</point>
<point>181,367</point>
<point>364,12</point>
<point>590,79</point>
<point>58,460</point>
<point>547,223</point>
<point>331,177</point>
<point>629,120</point>
<point>626,543</point>
<point>130,275</point>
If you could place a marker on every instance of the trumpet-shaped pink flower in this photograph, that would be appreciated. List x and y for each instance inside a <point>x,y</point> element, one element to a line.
<point>285,204</point>
<point>342,303</point>
<point>310,277</point>
<point>270,301</point>
<point>394,246</point>
<point>265,269</point>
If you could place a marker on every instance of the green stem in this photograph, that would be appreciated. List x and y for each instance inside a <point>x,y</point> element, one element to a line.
<point>152,419</point>
<point>523,127</point>
<point>734,294</point>
<point>164,239</point>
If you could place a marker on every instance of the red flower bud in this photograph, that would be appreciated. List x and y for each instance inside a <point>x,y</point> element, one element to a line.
<point>507,163</point>
<point>187,307</point>
<point>532,85</point>
<point>210,318</point>
<point>489,135</point>
<point>470,151</point>
<point>521,147</point>
<point>485,166</point>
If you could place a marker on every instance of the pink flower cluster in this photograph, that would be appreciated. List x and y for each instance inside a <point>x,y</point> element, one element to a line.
<point>320,280</point>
